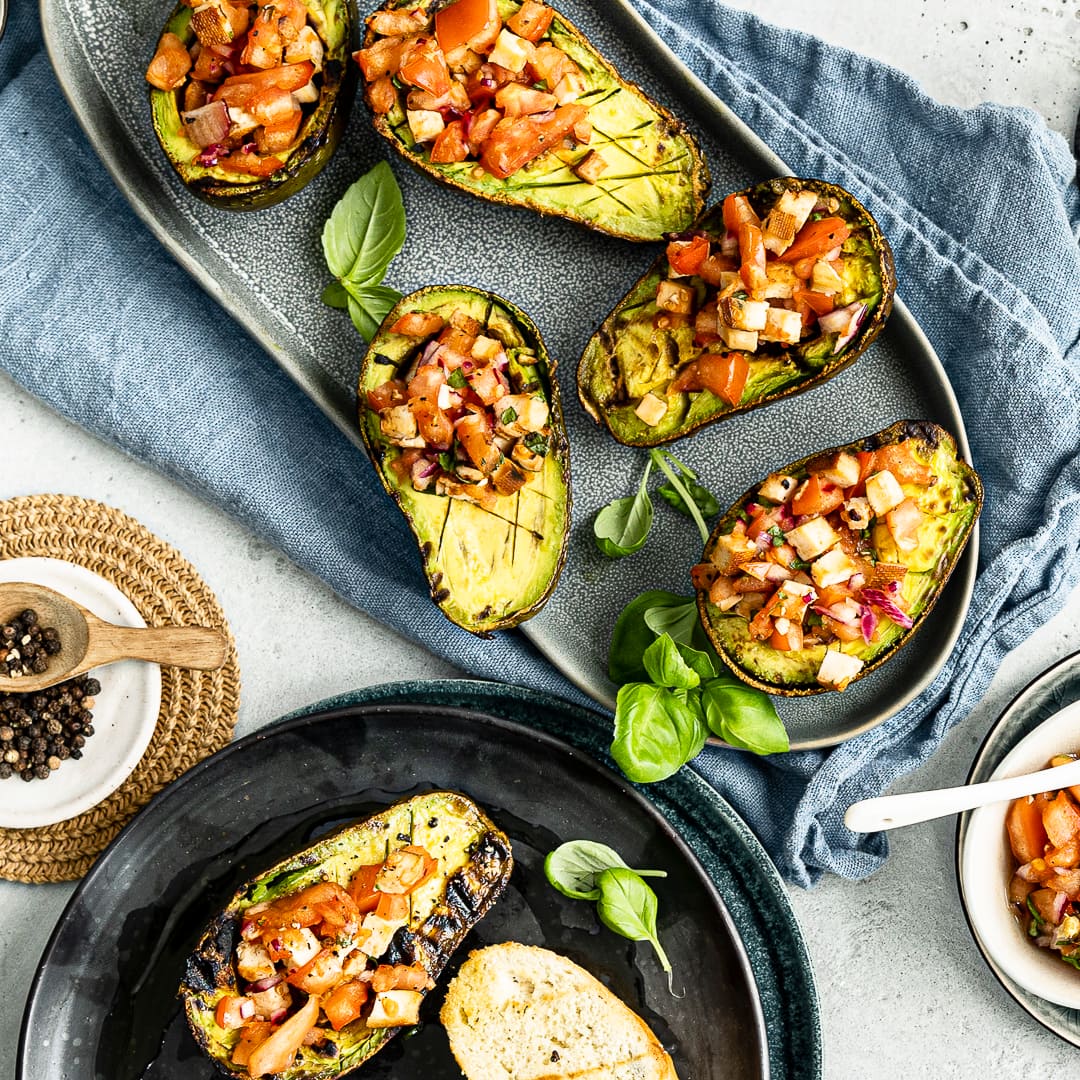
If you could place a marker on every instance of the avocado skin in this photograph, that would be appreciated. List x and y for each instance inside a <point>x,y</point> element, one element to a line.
<point>598,387</point>
<point>719,627</point>
<point>323,128</point>
<point>504,192</point>
<point>477,617</point>
<point>468,895</point>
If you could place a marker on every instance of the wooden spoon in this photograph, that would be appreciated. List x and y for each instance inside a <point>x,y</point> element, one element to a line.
<point>88,642</point>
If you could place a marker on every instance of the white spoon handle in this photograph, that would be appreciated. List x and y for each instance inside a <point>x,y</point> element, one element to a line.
<point>892,811</point>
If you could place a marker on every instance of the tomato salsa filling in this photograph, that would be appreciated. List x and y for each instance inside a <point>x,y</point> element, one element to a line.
<point>245,84</point>
<point>796,279</point>
<point>310,961</point>
<point>802,563</point>
<point>468,422</point>
<point>1044,891</point>
<point>480,88</point>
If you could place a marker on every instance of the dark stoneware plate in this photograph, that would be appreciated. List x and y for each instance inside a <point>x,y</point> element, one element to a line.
<point>565,277</point>
<point>1046,695</point>
<point>103,1002</point>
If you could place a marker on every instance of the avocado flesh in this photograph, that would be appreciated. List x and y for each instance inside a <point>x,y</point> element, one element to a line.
<point>488,569</point>
<point>316,140</point>
<point>629,356</point>
<point>656,178</point>
<point>951,504</point>
<point>472,853</point>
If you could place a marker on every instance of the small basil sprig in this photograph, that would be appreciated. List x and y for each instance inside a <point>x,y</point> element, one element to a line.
<point>588,870</point>
<point>623,526</point>
<point>673,695</point>
<point>364,232</point>
<point>574,868</point>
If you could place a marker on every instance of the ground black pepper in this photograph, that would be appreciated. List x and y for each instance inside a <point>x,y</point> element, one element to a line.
<point>25,645</point>
<point>40,731</point>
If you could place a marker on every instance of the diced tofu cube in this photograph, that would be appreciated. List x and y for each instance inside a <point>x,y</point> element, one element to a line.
<point>812,538</point>
<point>744,340</point>
<point>272,1000</point>
<point>673,297</point>
<point>832,568</point>
<point>651,409</point>
<point>485,348</point>
<point>786,218</point>
<point>253,961</point>
<point>778,488</point>
<point>781,281</point>
<point>307,46</point>
<point>783,326</point>
<point>744,314</point>
<point>841,469</point>
<point>424,124</point>
<point>302,945</point>
<point>571,86</point>
<point>856,514</point>
<point>395,1008</point>
<point>883,492</point>
<point>732,552</point>
<point>511,51</point>
<point>381,933</point>
<point>795,600</point>
<point>591,167</point>
<point>838,669</point>
<point>825,279</point>
<point>728,277</point>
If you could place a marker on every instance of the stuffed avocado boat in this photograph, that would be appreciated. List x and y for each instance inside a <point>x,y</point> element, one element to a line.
<point>771,293</point>
<point>511,102</point>
<point>824,571</point>
<point>459,410</point>
<point>318,962</point>
<point>249,100</point>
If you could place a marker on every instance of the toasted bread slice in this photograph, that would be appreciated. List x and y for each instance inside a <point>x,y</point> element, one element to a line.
<point>517,1012</point>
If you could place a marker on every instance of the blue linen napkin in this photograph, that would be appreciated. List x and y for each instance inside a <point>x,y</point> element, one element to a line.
<point>983,215</point>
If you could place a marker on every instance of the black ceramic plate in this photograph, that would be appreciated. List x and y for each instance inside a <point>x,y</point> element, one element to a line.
<point>103,1001</point>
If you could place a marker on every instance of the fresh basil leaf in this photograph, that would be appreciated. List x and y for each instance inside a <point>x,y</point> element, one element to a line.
<point>743,717</point>
<point>698,661</point>
<point>663,458</point>
<point>335,296</point>
<point>457,379</point>
<point>655,733</point>
<point>369,305</point>
<point>536,443</point>
<point>628,907</point>
<point>705,500</point>
<point>573,868</point>
<point>679,621</point>
<point>666,667</point>
<point>366,229</point>
<point>622,527</point>
<point>632,635</point>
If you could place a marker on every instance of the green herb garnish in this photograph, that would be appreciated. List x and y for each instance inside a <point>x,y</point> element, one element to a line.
<point>536,443</point>
<point>574,868</point>
<point>509,416</point>
<point>457,379</point>
<point>628,907</point>
<point>364,232</point>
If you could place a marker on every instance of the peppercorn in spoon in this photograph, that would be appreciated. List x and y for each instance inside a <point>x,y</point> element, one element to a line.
<point>87,642</point>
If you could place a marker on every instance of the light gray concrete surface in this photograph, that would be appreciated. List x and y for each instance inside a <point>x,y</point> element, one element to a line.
<point>903,990</point>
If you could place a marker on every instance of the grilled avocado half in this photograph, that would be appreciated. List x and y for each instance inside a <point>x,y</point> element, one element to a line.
<point>489,567</point>
<point>641,350</point>
<point>889,563</point>
<point>654,178</point>
<point>320,131</point>
<point>474,865</point>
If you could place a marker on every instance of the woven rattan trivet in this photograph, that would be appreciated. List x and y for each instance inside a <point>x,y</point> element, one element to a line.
<point>198,708</point>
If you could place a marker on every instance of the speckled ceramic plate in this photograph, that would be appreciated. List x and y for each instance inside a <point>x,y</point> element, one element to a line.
<point>103,1002</point>
<point>566,278</point>
<point>1041,699</point>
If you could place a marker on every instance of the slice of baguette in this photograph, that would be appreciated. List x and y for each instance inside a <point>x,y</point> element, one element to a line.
<point>517,1012</point>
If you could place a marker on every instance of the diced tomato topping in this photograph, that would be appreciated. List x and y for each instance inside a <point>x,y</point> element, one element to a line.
<point>531,20</point>
<point>737,212</point>
<point>816,238</point>
<point>816,496</point>
<point>383,58</point>
<point>514,143</point>
<point>1024,824</point>
<point>401,977</point>
<point>170,64</point>
<point>362,888</point>
<point>482,125</point>
<point>405,870</point>
<point>288,77</point>
<point>900,460</point>
<point>392,907</point>
<point>792,639</point>
<point>460,22</point>
<point>344,1004</point>
<point>278,1052</point>
<point>686,256</point>
<point>725,374</point>
<point>251,164</point>
<point>550,64</point>
<point>252,1034</point>
<point>474,433</point>
<point>386,395</point>
<point>233,1012</point>
<point>435,426</point>
<point>752,252</point>
<point>382,95</point>
<point>424,65</point>
<point>450,145</point>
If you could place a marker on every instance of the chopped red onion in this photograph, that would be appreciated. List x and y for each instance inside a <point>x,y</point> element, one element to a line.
<point>247,1009</point>
<point>211,155</point>
<point>887,607</point>
<point>260,985</point>
<point>207,126</point>
<point>1061,902</point>
<point>488,84</point>
<point>852,330</point>
<point>279,1015</point>
<point>868,623</point>
<point>249,148</point>
<point>856,581</point>
<point>430,470</point>
<point>763,541</point>
<point>430,349</point>
<point>730,244</point>
<point>776,572</point>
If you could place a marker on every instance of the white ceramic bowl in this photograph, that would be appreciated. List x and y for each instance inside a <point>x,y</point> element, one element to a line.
<point>985,869</point>
<point>125,714</point>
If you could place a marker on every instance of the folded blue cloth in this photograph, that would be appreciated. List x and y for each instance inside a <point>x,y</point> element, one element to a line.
<point>982,213</point>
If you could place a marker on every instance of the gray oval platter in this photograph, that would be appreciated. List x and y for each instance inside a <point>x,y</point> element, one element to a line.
<point>744,1006</point>
<point>1044,696</point>
<point>566,278</point>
